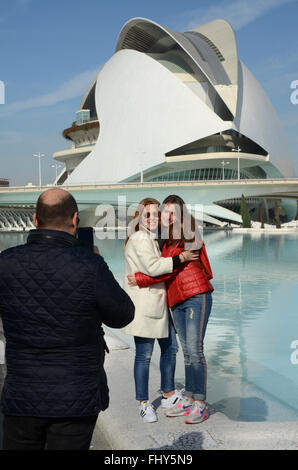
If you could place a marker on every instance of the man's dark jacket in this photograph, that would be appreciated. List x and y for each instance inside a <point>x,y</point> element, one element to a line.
<point>54,296</point>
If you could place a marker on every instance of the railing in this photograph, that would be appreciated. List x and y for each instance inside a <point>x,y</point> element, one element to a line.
<point>90,184</point>
<point>15,219</point>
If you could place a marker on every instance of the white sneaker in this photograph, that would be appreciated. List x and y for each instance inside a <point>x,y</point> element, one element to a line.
<point>172,400</point>
<point>147,412</point>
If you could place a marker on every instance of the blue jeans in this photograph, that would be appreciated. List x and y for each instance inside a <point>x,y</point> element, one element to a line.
<point>190,319</point>
<point>168,351</point>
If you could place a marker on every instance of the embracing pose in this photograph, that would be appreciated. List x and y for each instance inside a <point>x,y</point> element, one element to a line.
<point>152,320</point>
<point>189,296</point>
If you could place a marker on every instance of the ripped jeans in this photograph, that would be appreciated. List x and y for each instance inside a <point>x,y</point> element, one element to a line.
<point>190,319</point>
<point>168,351</point>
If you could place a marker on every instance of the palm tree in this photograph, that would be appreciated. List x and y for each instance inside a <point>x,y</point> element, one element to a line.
<point>276,215</point>
<point>261,216</point>
<point>246,222</point>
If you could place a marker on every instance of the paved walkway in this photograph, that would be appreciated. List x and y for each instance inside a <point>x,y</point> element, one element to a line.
<point>123,428</point>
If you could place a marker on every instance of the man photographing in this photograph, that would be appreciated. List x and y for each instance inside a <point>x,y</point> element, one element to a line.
<point>54,296</point>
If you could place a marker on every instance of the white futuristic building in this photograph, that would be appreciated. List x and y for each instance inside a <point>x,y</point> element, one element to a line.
<point>178,107</point>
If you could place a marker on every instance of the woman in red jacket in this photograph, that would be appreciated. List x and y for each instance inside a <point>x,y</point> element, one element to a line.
<point>189,296</point>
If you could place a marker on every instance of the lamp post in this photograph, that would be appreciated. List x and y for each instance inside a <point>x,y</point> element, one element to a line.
<point>238,149</point>
<point>223,163</point>
<point>141,162</point>
<point>39,155</point>
<point>56,166</point>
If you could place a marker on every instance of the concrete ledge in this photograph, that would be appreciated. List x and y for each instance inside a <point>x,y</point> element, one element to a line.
<point>113,342</point>
<point>266,230</point>
<point>123,429</point>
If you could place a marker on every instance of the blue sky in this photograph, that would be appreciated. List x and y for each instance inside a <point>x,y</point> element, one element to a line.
<point>52,49</point>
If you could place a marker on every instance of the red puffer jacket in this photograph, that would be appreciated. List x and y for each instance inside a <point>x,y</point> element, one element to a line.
<point>187,280</point>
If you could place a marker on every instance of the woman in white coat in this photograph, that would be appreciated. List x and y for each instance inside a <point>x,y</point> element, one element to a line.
<point>151,321</point>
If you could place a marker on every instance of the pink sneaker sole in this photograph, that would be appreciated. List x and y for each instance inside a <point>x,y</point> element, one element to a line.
<point>203,418</point>
<point>182,413</point>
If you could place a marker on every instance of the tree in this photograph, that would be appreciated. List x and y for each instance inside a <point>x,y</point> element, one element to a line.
<point>261,216</point>
<point>246,222</point>
<point>276,215</point>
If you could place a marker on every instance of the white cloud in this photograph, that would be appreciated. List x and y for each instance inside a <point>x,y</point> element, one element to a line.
<point>73,88</point>
<point>238,12</point>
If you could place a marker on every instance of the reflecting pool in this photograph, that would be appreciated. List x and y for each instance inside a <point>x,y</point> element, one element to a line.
<point>250,340</point>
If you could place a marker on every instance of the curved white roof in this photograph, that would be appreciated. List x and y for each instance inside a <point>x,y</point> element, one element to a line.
<point>257,118</point>
<point>141,119</point>
<point>151,104</point>
<point>147,36</point>
<point>220,36</point>
<point>88,92</point>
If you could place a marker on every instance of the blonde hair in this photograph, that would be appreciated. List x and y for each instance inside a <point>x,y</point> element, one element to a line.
<point>136,218</point>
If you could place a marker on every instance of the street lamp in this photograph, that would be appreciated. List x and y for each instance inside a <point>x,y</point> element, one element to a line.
<point>223,163</point>
<point>39,155</point>
<point>238,149</point>
<point>141,163</point>
<point>56,166</point>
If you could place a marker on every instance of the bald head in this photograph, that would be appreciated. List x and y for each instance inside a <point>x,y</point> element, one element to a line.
<point>56,209</point>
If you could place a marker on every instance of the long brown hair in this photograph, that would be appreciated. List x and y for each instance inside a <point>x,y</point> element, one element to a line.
<point>136,218</point>
<point>188,234</point>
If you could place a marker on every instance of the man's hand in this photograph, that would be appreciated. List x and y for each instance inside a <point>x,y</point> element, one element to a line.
<point>96,250</point>
<point>132,280</point>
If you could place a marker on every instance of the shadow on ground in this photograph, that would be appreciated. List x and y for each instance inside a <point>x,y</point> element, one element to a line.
<point>189,441</point>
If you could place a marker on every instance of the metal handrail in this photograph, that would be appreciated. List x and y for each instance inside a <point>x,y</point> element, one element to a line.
<point>151,184</point>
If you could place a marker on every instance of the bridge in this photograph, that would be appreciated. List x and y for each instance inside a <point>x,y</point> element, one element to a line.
<point>18,203</point>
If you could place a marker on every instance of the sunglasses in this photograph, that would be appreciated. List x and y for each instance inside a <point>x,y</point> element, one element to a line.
<point>149,215</point>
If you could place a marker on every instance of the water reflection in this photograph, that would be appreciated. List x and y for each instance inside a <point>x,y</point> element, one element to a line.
<point>252,325</point>
<point>253,320</point>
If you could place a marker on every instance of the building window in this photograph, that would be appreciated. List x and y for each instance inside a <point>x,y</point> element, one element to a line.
<point>199,174</point>
<point>82,116</point>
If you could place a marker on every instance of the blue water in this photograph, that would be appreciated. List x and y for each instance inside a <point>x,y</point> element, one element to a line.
<point>252,375</point>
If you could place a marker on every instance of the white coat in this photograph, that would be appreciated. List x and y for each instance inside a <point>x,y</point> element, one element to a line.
<point>142,254</point>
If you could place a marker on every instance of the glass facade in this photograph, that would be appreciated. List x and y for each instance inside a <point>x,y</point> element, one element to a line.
<point>82,116</point>
<point>200,174</point>
<point>193,151</point>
